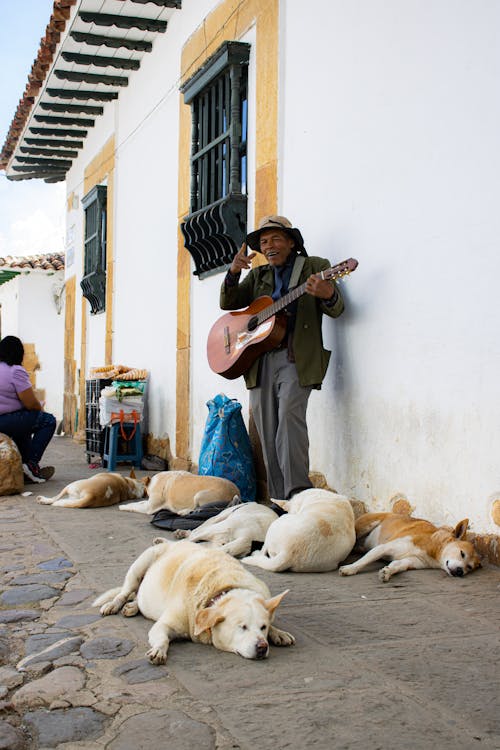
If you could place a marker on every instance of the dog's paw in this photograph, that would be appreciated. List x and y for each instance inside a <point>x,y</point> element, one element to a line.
<point>181,533</point>
<point>157,655</point>
<point>109,609</point>
<point>130,609</point>
<point>346,570</point>
<point>280,637</point>
<point>384,574</point>
<point>160,540</point>
<point>43,500</point>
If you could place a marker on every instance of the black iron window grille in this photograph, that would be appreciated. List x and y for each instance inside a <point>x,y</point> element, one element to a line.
<point>93,283</point>
<point>218,94</point>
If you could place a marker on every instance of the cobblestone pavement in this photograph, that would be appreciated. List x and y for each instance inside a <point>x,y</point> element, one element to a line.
<point>413,663</point>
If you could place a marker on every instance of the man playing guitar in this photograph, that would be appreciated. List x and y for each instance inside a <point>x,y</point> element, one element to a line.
<point>281,379</point>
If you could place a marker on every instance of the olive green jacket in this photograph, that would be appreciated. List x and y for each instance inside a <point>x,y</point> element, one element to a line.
<point>311,358</point>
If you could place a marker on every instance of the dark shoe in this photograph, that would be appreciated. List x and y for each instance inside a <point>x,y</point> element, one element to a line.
<point>154,463</point>
<point>32,472</point>
<point>47,472</point>
<point>278,509</point>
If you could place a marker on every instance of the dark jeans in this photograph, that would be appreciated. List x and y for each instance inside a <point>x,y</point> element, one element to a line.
<point>30,430</point>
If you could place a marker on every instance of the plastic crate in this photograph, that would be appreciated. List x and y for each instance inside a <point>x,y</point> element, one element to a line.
<point>94,442</point>
<point>94,433</point>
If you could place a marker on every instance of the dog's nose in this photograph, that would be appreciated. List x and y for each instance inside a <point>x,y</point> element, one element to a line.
<point>458,572</point>
<point>261,649</point>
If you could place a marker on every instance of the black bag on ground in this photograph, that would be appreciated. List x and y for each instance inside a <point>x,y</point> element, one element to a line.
<point>169,521</point>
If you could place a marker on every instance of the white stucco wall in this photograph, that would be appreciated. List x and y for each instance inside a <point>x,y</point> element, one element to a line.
<point>144,121</point>
<point>387,152</point>
<point>395,135</point>
<point>146,240</point>
<point>9,295</point>
<point>29,312</point>
<point>75,187</point>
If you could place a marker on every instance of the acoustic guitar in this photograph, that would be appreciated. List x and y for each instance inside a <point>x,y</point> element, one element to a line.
<point>239,337</point>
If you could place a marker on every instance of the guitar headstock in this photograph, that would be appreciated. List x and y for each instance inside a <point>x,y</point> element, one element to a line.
<point>341,269</point>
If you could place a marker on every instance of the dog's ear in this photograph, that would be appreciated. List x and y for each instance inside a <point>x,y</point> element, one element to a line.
<point>146,481</point>
<point>272,604</point>
<point>207,618</point>
<point>281,503</point>
<point>132,473</point>
<point>460,529</point>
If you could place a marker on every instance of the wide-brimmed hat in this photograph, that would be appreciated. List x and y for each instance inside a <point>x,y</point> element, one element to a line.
<point>277,222</point>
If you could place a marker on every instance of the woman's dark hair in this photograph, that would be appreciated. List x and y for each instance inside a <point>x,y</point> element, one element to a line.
<point>11,350</point>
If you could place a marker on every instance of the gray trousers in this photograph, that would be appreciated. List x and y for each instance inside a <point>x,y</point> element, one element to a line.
<point>279,405</point>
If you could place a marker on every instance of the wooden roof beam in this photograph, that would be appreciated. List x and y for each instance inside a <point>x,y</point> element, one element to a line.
<point>86,109</point>
<point>53,142</point>
<point>34,168</point>
<point>100,61</point>
<point>69,75</point>
<point>83,94</point>
<point>160,3</point>
<point>123,22</point>
<point>59,132</point>
<point>95,40</point>
<point>78,121</point>
<point>47,176</point>
<point>48,152</point>
<point>41,160</point>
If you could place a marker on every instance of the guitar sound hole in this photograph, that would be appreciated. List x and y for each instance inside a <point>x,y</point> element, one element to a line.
<point>253,323</point>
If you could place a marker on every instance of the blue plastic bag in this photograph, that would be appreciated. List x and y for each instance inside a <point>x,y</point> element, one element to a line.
<point>225,449</point>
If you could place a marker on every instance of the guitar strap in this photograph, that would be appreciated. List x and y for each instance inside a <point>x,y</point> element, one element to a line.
<point>296,271</point>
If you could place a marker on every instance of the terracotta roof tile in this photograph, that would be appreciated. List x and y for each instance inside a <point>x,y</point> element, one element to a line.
<point>48,262</point>
<point>60,14</point>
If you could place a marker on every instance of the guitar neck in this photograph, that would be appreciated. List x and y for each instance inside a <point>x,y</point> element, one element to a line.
<point>335,272</point>
<point>281,303</point>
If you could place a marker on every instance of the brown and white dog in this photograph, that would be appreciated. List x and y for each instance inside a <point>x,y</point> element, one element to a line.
<point>199,594</point>
<point>105,488</point>
<point>181,492</point>
<point>411,544</point>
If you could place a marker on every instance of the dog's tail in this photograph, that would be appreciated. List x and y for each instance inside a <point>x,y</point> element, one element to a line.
<point>367,522</point>
<point>108,596</point>
<point>277,563</point>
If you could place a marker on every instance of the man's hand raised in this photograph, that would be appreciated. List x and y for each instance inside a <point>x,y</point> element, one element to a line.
<point>241,260</point>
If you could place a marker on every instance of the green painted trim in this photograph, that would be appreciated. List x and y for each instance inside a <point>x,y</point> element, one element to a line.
<point>6,276</point>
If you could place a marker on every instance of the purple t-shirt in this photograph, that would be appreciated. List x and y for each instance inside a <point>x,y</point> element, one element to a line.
<point>13,380</point>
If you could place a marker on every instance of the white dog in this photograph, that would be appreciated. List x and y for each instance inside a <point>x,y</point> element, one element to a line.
<point>233,529</point>
<point>201,594</point>
<point>314,536</point>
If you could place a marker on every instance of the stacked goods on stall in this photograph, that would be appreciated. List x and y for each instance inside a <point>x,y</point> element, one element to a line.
<point>122,396</point>
<point>106,394</point>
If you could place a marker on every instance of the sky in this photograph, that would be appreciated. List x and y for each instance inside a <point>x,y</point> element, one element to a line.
<point>32,213</point>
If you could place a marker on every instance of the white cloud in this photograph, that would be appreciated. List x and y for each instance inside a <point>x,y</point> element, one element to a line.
<point>32,219</point>
<point>37,233</point>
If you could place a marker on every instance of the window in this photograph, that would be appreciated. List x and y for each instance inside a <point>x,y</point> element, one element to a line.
<point>93,283</point>
<point>218,94</point>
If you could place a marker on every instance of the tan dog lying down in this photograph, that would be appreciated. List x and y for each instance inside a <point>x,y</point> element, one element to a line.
<point>181,492</point>
<point>314,536</point>
<point>200,594</point>
<point>233,529</point>
<point>105,488</point>
<point>412,543</point>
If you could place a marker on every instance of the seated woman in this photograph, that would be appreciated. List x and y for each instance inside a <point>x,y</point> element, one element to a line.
<point>21,414</point>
